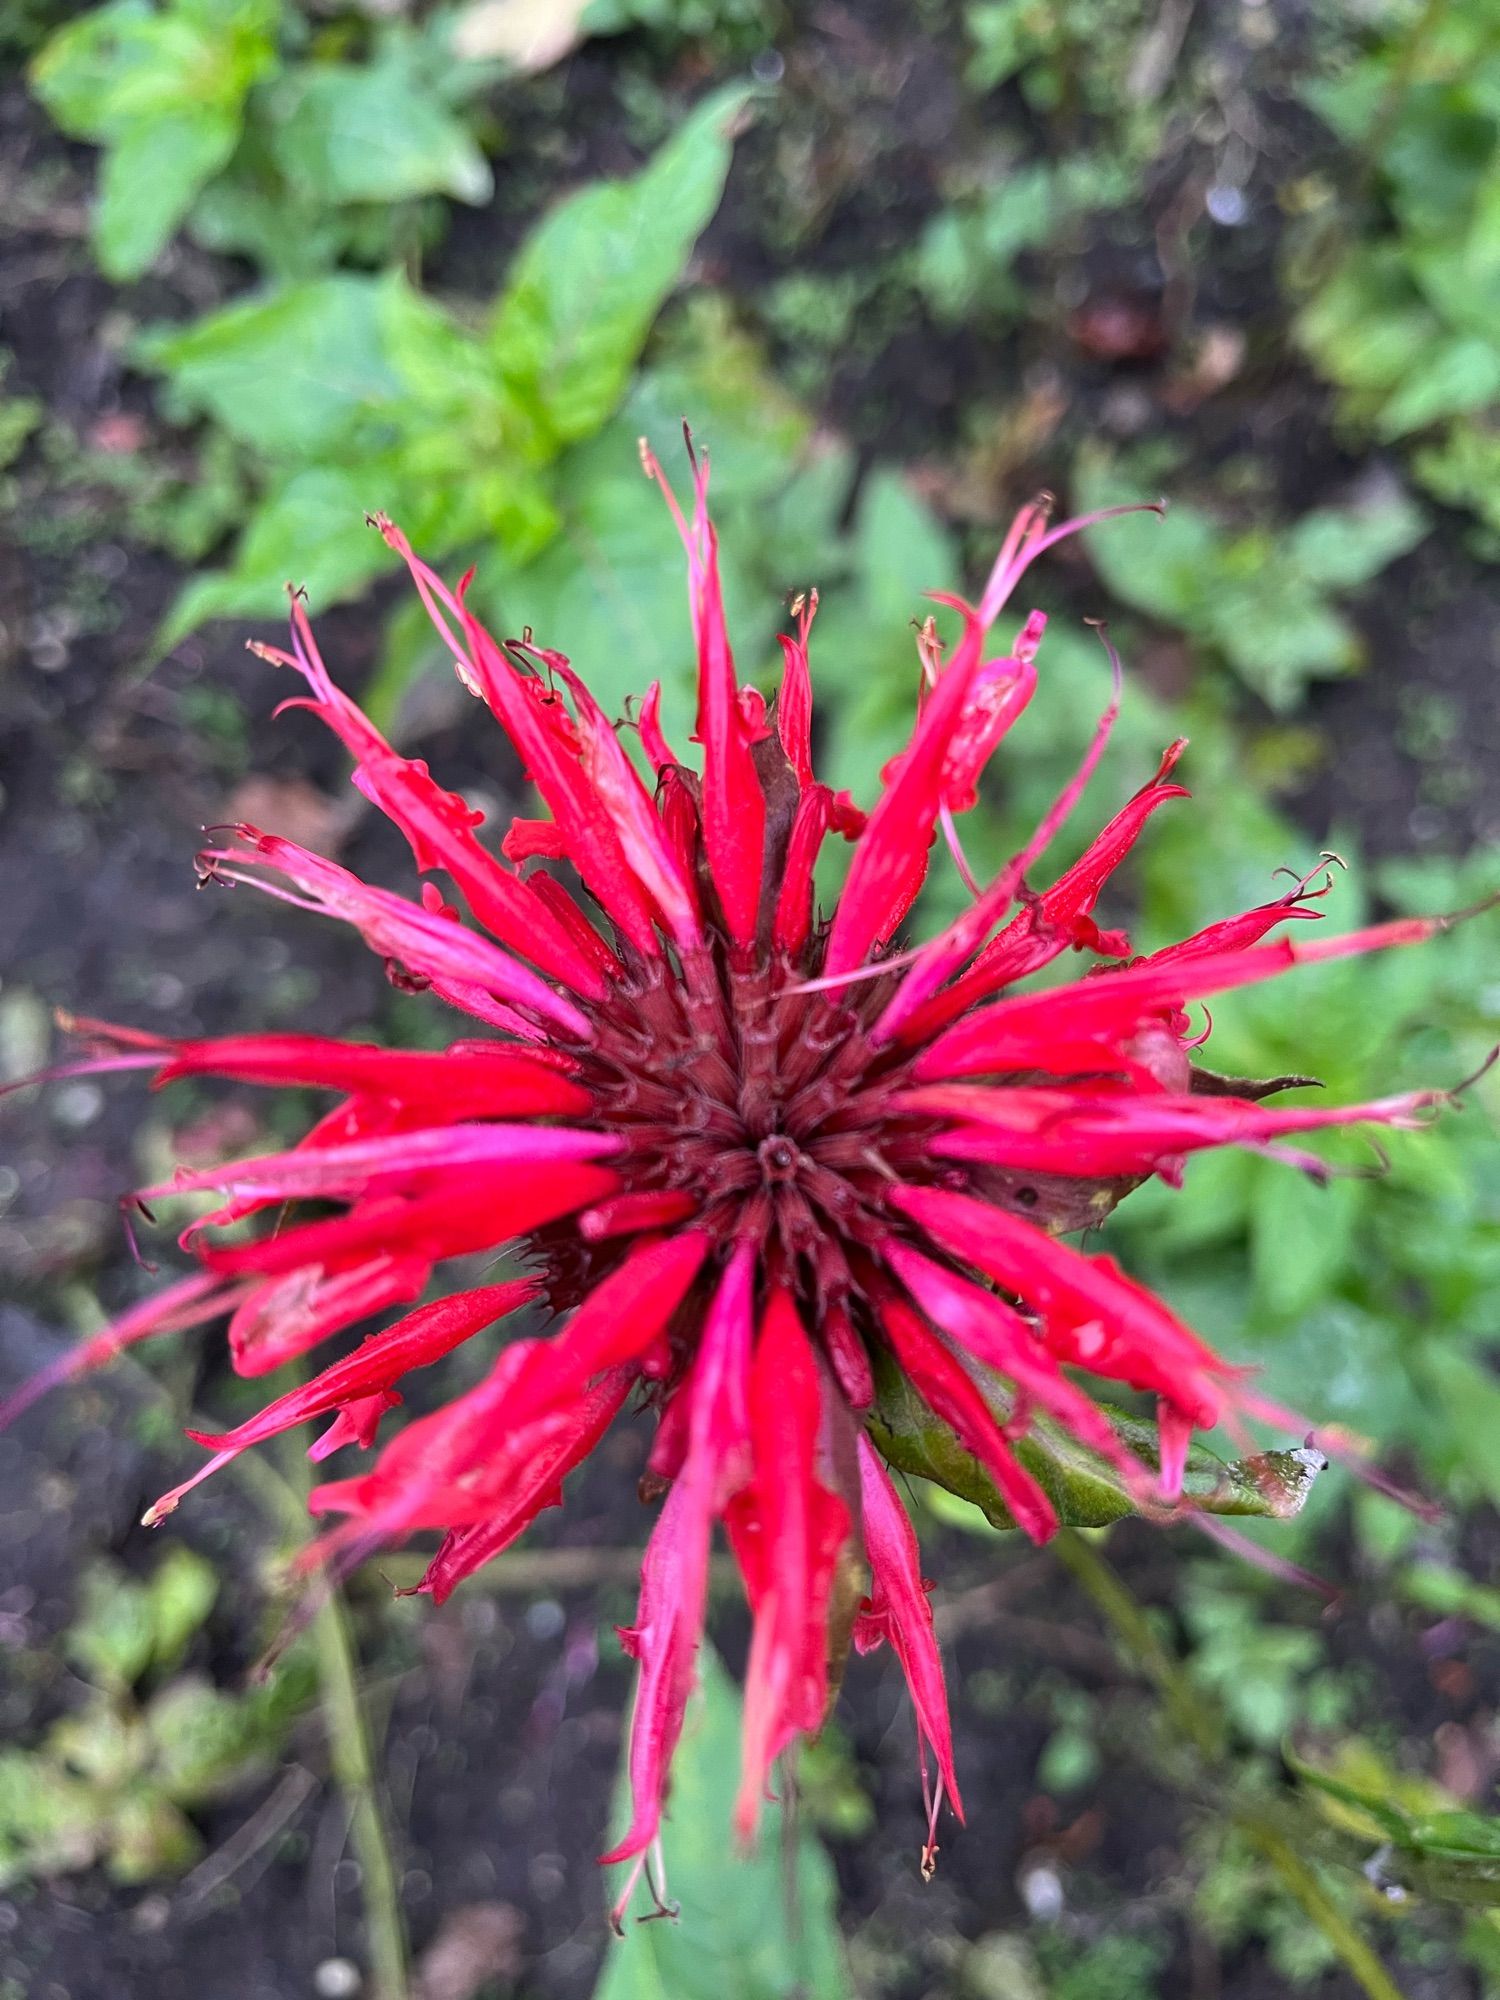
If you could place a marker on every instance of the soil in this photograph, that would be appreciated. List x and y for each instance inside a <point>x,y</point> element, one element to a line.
<point>501,1713</point>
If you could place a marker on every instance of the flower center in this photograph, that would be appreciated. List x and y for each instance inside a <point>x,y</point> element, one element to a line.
<point>764,1106</point>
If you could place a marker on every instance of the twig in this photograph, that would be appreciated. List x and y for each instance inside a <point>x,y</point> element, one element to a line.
<point>274,1812</point>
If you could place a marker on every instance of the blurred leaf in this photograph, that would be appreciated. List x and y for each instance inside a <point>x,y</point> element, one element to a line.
<point>591,278</point>
<point>374,132</point>
<point>286,370</point>
<point>148,1838</point>
<point>734,1940</point>
<point>124,1626</point>
<point>1470,1398</point>
<point>163,90</point>
<point>1086,1491</point>
<point>179,1596</point>
<point>114,1635</point>
<point>1301,1236</point>
<point>309,530</point>
<point>49,1819</point>
<point>529,35</point>
<point>1424,1844</point>
<point>1262,599</point>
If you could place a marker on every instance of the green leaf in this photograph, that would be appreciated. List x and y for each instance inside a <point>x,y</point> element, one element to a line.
<point>1470,1398</point>
<point>1339,548</point>
<point>164,90</point>
<point>310,530</point>
<point>148,1839</point>
<point>1302,1237</point>
<point>1456,377</point>
<point>149,183</point>
<point>1424,1844</point>
<point>588,282</point>
<point>735,1938</point>
<point>179,1597</point>
<point>1264,598</point>
<point>51,1821</point>
<point>113,1636</point>
<point>1086,1491</point>
<point>376,132</point>
<point>285,371</point>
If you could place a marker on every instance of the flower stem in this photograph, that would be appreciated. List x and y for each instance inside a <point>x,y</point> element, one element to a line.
<point>283,1496</point>
<point>1199,1722</point>
<point>353,1762</point>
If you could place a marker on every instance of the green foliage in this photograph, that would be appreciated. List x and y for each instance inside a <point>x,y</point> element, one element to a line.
<point>20,416</point>
<point>163,90</point>
<point>1126,1967</point>
<point>125,1629</point>
<point>735,1938</point>
<point>965,257</point>
<point>1265,1676</point>
<point>1421,1842</point>
<point>358,393</point>
<point>373,132</point>
<point>1263,599</point>
<point>1402,317</point>
<point>734,21</point>
<point>113,1782</point>
<point>1363,1301</point>
<point>208,116</point>
<point>591,278</point>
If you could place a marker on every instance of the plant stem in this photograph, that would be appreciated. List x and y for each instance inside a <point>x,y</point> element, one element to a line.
<point>1302,1883</point>
<point>354,1770</point>
<point>283,1496</point>
<point>1199,1722</point>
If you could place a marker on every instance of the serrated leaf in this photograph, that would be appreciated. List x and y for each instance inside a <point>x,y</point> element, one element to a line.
<point>1086,1491</point>
<point>591,278</point>
<point>735,1938</point>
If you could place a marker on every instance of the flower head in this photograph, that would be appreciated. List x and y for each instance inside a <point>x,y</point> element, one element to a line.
<point>746,1152</point>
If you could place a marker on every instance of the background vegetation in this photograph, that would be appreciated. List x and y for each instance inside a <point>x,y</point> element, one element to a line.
<point>270,265</point>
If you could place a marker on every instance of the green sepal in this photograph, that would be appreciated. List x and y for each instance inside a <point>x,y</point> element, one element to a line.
<point>1085,1490</point>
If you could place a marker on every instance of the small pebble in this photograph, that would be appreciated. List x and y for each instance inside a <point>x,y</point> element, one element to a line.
<point>337,1979</point>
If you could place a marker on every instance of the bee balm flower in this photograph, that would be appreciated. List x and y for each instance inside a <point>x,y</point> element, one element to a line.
<point>741,1148</point>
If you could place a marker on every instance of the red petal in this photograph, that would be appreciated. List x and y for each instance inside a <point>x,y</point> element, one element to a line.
<point>1096,1317</point>
<point>787,1532</point>
<point>899,1608</point>
<point>942,1382</point>
<point>438,825</point>
<point>1058,1029</point>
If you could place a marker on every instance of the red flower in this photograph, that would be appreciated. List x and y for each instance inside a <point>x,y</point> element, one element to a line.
<point>741,1147</point>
